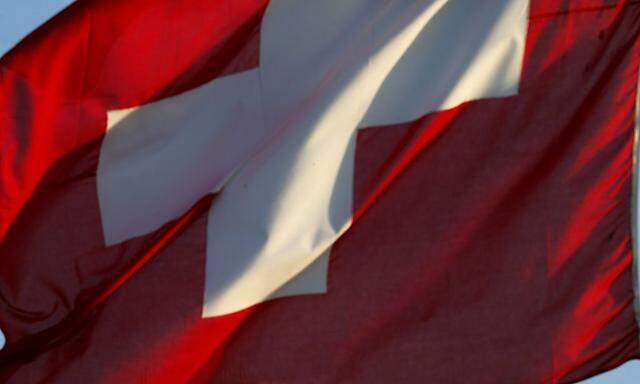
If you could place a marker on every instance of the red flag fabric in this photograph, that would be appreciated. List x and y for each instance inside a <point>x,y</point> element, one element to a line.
<point>489,241</point>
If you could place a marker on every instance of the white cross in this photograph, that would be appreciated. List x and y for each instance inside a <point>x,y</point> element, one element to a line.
<point>278,141</point>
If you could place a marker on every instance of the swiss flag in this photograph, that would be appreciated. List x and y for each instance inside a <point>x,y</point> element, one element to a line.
<point>361,191</point>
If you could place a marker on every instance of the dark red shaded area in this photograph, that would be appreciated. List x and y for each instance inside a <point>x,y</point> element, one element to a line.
<point>491,245</point>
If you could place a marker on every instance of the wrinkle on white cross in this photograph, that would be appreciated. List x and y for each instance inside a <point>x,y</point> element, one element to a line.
<point>278,141</point>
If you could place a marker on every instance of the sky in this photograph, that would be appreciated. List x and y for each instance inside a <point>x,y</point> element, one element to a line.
<point>18,18</point>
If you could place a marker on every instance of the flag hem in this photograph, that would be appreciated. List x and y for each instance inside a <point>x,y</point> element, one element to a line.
<point>634,206</point>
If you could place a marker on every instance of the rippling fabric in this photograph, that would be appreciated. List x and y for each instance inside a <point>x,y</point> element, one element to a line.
<point>491,242</point>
